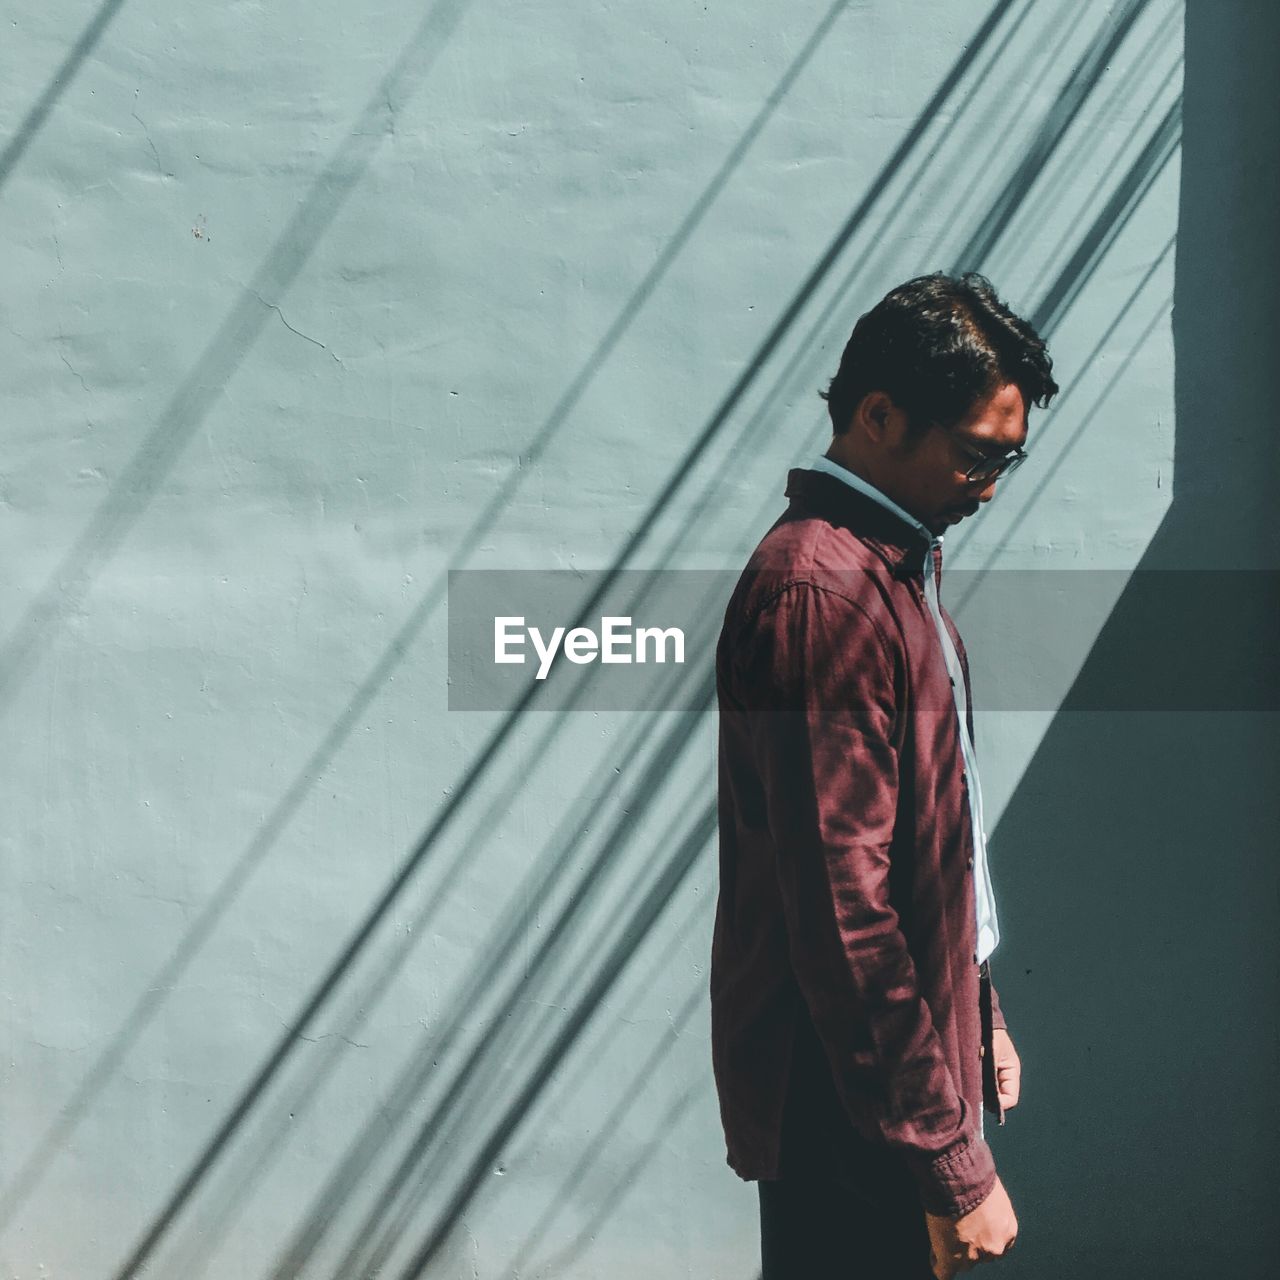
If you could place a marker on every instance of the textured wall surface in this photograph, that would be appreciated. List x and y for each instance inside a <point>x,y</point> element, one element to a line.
<point>304,305</point>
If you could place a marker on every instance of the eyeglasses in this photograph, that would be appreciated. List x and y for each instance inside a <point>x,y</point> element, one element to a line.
<point>986,468</point>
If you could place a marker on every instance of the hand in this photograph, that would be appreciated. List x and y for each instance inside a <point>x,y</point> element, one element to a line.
<point>1008,1068</point>
<point>959,1244</point>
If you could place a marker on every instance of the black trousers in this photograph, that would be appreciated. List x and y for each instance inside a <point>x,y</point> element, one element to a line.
<point>823,1228</point>
<point>842,1208</point>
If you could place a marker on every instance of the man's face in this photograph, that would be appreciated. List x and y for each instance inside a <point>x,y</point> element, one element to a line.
<point>925,474</point>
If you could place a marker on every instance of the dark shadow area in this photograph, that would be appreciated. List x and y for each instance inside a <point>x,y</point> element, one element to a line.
<point>1138,857</point>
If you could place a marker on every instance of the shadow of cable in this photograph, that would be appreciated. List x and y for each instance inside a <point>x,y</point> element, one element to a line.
<point>1051,44</point>
<point>39,111</point>
<point>189,405</point>
<point>581,1171</point>
<point>1083,80</point>
<point>1160,148</point>
<point>1017,189</point>
<point>697,839</point>
<point>554,872</point>
<point>624,1182</point>
<point>1156,154</point>
<point>1163,45</point>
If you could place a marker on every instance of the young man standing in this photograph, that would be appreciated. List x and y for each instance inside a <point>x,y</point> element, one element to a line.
<point>856,1036</point>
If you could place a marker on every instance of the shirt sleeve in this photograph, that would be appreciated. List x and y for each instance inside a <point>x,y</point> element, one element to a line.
<point>997,1016</point>
<point>821,706</point>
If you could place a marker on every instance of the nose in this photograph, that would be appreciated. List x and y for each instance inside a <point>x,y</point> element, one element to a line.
<point>988,490</point>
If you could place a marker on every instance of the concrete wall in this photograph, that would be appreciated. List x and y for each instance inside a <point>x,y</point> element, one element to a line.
<point>304,305</point>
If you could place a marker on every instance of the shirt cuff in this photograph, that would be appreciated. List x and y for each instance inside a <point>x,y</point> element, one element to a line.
<point>959,1180</point>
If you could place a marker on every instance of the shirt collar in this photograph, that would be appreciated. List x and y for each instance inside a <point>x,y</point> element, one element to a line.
<point>837,493</point>
<point>855,481</point>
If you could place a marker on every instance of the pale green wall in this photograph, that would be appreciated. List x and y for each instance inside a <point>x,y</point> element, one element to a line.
<point>304,305</point>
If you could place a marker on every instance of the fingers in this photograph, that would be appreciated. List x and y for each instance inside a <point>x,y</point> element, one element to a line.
<point>957,1262</point>
<point>1008,1085</point>
<point>948,1268</point>
<point>991,1255</point>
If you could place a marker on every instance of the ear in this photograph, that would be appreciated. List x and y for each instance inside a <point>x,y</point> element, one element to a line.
<point>878,418</point>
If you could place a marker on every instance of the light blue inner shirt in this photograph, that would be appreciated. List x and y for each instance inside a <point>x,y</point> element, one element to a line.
<point>987,926</point>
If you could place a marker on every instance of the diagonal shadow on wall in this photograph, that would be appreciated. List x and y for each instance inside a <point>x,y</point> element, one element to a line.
<point>1049,136</point>
<point>490,750</point>
<point>138,480</point>
<point>282,812</point>
<point>524,1256</point>
<point>438,1233</point>
<point>1080,265</point>
<point>481,762</point>
<point>39,111</point>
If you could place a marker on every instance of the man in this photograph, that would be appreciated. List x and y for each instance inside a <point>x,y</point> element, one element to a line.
<point>856,1036</point>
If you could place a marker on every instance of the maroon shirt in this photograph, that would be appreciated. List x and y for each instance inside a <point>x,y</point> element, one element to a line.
<point>846,907</point>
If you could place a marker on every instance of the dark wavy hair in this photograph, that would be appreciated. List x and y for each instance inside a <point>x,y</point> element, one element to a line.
<point>936,345</point>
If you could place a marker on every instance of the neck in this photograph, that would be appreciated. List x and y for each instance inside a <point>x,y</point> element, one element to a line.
<point>861,468</point>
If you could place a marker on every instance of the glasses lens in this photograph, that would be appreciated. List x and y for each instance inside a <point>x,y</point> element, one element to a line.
<point>993,468</point>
